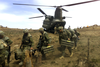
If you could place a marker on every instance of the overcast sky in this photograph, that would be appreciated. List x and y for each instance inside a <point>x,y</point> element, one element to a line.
<point>16,16</point>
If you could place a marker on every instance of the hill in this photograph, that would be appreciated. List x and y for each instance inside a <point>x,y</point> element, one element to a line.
<point>93,33</point>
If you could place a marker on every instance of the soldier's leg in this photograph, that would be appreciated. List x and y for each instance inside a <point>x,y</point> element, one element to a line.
<point>43,55</point>
<point>76,44</point>
<point>23,54</point>
<point>3,64</point>
<point>70,51</point>
<point>22,57</point>
<point>63,51</point>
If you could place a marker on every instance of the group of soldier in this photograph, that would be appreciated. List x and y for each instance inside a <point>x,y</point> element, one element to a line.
<point>44,41</point>
<point>70,35</point>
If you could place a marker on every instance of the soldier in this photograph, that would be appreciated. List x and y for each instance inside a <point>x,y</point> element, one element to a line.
<point>55,30</point>
<point>27,44</point>
<point>66,36</point>
<point>5,49</point>
<point>69,28</point>
<point>43,42</point>
<point>5,38</point>
<point>77,34</point>
<point>3,52</point>
<point>73,36</point>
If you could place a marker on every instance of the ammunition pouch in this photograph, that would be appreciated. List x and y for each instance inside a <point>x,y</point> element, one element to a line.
<point>27,45</point>
<point>45,43</point>
<point>67,43</point>
<point>47,49</point>
<point>25,41</point>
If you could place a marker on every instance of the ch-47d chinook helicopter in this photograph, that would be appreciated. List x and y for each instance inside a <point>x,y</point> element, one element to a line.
<point>53,21</point>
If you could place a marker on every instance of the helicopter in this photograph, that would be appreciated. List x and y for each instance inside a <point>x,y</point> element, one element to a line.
<point>50,22</point>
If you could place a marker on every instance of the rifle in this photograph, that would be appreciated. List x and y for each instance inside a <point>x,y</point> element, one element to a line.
<point>8,58</point>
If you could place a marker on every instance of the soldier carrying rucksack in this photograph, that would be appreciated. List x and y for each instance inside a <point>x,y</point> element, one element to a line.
<point>77,38</point>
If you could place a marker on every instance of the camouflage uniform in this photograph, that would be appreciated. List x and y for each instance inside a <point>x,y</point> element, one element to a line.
<point>3,53</point>
<point>43,42</point>
<point>73,36</point>
<point>6,39</point>
<point>65,34</point>
<point>4,49</point>
<point>77,34</point>
<point>27,43</point>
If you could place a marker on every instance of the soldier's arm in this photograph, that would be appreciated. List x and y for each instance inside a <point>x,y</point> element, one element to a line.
<point>69,34</point>
<point>59,40</point>
<point>39,44</point>
<point>9,42</point>
<point>47,38</point>
<point>31,41</point>
<point>22,39</point>
<point>78,33</point>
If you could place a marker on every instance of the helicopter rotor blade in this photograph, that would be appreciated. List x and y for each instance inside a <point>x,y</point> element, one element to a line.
<point>57,6</point>
<point>79,3</point>
<point>42,11</point>
<point>64,10</point>
<point>36,17</point>
<point>68,17</point>
<point>33,5</point>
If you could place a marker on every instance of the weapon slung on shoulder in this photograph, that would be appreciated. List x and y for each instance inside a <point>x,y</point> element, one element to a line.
<point>8,58</point>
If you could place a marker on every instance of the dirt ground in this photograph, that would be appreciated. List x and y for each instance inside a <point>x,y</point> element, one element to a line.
<point>93,33</point>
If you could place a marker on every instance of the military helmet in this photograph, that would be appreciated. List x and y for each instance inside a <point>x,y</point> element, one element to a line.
<point>25,31</point>
<point>60,27</point>
<point>41,29</point>
<point>1,32</point>
<point>75,29</point>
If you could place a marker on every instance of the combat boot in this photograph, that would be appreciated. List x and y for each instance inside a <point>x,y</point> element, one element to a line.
<point>71,54</point>
<point>21,63</point>
<point>61,57</point>
<point>75,47</point>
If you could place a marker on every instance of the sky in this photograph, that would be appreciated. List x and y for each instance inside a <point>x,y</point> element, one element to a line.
<point>17,16</point>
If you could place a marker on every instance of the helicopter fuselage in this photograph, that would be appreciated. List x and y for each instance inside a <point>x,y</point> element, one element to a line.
<point>49,25</point>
